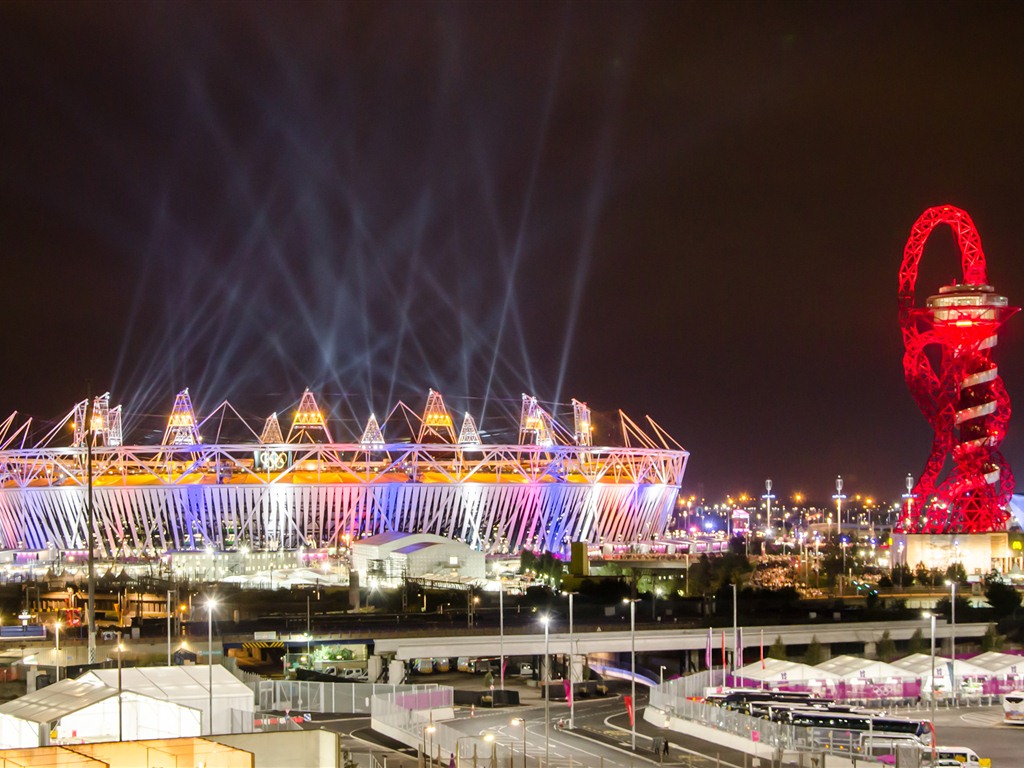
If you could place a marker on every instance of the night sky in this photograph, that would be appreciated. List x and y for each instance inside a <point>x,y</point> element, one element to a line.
<point>690,210</point>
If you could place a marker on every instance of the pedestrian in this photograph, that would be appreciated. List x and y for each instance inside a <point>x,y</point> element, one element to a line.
<point>664,747</point>
<point>451,761</point>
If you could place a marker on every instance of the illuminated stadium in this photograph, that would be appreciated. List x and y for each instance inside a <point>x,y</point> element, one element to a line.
<point>303,489</point>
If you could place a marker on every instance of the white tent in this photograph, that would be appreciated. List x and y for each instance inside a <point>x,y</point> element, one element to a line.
<point>920,665</point>
<point>88,710</point>
<point>854,668</point>
<point>777,671</point>
<point>188,686</point>
<point>997,664</point>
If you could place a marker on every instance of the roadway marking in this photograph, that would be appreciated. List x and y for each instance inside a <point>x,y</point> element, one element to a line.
<point>679,747</point>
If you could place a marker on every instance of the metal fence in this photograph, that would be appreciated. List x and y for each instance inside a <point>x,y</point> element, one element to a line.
<point>313,696</point>
<point>678,698</point>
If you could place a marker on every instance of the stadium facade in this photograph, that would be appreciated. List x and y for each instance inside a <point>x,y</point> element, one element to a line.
<point>304,489</point>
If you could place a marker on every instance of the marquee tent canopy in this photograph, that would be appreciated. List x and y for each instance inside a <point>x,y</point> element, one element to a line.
<point>997,664</point>
<point>920,665</point>
<point>852,668</point>
<point>188,686</point>
<point>89,710</point>
<point>779,671</point>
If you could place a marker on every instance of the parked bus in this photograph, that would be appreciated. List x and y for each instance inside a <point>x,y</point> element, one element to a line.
<point>1013,708</point>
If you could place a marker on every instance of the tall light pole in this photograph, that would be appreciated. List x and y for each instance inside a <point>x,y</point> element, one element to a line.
<point>120,718</point>
<point>768,496</point>
<point>501,631</point>
<point>429,728</point>
<point>632,669</point>
<point>735,630</point>
<point>210,605</point>
<point>90,523</point>
<point>909,495</point>
<point>931,616</point>
<point>546,620</point>
<point>572,691</point>
<point>168,627</point>
<point>839,496</point>
<point>521,721</point>
<point>952,639</point>
<point>56,650</point>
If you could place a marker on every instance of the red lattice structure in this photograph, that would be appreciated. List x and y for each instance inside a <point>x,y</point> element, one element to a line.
<point>966,484</point>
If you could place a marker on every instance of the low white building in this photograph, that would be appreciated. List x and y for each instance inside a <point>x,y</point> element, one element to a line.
<point>386,557</point>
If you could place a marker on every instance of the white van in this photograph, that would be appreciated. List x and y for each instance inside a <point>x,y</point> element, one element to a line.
<point>966,756</point>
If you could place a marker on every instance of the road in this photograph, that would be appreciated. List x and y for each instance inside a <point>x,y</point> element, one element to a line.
<point>982,729</point>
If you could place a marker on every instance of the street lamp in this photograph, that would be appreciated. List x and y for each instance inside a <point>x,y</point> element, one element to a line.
<point>501,632</point>
<point>521,721</point>
<point>572,691</point>
<point>931,615</point>
<point>429,728</point>
<point>56,650</point>
<point>120,718</point>
<point>546,620</point>
<point>952,638</point>
<point>211,603</point>
<point>632,668</point>
<point>735,635</point>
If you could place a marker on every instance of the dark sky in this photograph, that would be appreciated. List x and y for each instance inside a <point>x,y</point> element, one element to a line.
<point>690,210</point>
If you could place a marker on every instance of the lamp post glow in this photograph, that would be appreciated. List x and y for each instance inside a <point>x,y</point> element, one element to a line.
<point>210,605</point>
<point>546,620</point>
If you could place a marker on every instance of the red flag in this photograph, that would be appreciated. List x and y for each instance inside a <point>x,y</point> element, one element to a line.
<point>629,708</point>
<point>568,691</point>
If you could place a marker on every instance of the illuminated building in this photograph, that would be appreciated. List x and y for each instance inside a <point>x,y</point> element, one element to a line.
<point>307,490</point>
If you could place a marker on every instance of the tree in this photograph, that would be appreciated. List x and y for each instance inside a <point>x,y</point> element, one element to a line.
<point>916,642</point>
<point>778,649</point>
<point>922,575</point>
<point>1003,598</point>
<point>963,608</point>
<point>992,640</point>
<point>885,650</point>
<point>901,575</point>
<point>815,654</point>
<point>956,573</point>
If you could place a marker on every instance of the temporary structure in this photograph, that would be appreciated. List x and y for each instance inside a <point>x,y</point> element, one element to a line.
<point>853,668</point>
<point>90,710</point>
<point>997,664</point>
<point>779,672</point>
<point>189,687</point>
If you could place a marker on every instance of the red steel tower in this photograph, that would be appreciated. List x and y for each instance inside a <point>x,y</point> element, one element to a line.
<point>966,484</point>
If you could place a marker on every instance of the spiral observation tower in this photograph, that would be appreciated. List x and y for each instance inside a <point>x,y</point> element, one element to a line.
<point>410,471</point>
<point>966,484</point>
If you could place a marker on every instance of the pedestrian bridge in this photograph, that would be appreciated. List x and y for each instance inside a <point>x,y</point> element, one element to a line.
<point>653,640</point>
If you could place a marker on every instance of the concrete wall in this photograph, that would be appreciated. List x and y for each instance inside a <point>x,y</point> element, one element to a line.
<point>288,749</point>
